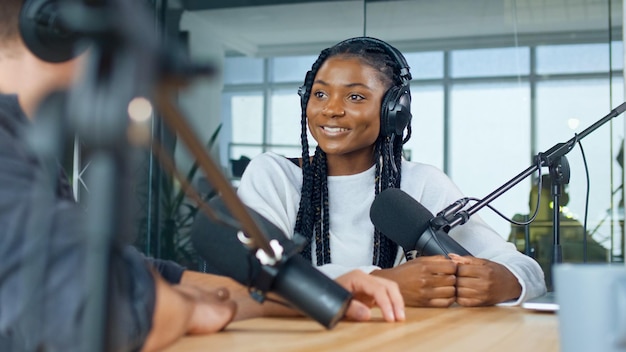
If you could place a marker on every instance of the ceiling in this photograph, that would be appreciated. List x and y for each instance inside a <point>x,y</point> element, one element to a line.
<point>274,27</point>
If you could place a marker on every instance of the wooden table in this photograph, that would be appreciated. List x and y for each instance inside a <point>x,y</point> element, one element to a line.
<point>426,329</point>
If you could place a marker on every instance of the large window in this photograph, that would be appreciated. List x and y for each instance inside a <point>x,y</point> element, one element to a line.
<point>565,107</point>
<point>489,143</point>
<point>481,115</point>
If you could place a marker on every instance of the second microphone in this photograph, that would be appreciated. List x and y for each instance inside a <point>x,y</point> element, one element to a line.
<point>408,223</point>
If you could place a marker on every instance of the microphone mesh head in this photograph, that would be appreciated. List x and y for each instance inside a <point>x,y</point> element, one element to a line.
<point>400,217</point>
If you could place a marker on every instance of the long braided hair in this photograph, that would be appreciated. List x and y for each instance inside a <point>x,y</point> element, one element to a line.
<point>312,221</point>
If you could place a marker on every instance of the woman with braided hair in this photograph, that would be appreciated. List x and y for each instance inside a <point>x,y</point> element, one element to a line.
<point>355,104</point>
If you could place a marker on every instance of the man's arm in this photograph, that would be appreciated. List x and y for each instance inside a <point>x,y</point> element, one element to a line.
<point>368,291</point>
<point>247,307</point>
<point>43,287</point>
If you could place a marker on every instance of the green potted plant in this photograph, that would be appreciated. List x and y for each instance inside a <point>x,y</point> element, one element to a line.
<point>165,231</point>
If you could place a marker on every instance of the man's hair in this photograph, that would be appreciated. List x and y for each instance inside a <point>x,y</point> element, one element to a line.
<point>9,20</point>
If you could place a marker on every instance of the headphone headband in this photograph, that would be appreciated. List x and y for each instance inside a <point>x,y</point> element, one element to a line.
<point>405,74</point>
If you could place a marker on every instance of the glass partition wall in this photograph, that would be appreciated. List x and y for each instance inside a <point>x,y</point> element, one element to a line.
<point>494,83</point>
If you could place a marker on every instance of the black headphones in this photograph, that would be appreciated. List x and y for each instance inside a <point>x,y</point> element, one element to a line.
<point>395,112</point>
<point>44,33</point>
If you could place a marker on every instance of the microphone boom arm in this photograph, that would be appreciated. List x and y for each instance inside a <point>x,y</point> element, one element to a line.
<point>554,158</point>
<point>174,118</point>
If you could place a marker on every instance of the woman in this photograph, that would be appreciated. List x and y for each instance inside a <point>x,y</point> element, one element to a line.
<point>355,104</point>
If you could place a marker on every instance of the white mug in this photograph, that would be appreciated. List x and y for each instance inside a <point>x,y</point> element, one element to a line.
<point>592,306</point>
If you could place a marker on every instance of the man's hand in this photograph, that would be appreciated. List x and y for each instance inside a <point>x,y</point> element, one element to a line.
<point>424,281</point>
<point>212,310</point>
<point>181,310</point>
<point>481,282</point>
<point>369,291</point>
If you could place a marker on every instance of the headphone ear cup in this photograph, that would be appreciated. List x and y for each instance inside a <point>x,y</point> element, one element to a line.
<point>385,123</point>
<point>395,114</point>
<point>44,34</point>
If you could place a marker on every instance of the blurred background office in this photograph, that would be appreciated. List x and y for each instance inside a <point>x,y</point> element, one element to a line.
<point>494,83</point>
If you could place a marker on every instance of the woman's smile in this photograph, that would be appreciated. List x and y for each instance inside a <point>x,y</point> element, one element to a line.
<point>335,131</point>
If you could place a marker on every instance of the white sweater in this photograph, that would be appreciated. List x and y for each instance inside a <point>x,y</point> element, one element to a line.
<point>271,185</point>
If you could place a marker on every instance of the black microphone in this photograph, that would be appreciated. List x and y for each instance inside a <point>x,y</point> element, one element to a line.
<point>408,223</point>
<point>292,278</point>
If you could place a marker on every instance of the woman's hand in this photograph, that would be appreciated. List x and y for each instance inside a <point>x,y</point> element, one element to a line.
<point>369,291</point>
<point>481,282</point>
<point>424,281</point>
